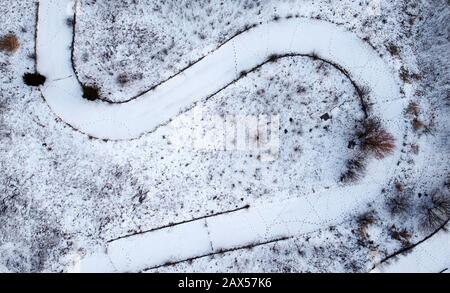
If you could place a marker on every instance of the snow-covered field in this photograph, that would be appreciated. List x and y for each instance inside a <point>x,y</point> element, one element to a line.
<point>227,136</point>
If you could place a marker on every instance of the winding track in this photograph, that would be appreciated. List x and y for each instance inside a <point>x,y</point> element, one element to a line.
<point>214,72</point>
<point>259,223</point>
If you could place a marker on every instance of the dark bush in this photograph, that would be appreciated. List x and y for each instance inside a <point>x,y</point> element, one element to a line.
<point>34,79</point>
<point>355,170</point>
<point>376,140</point>
<point>273,57</point>
<point>90,93</point>
<point>69,21</point>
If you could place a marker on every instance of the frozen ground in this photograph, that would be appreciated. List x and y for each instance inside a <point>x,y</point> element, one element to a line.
<point>66,195</point>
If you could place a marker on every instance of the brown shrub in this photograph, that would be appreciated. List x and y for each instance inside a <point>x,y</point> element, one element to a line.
<point>413,109</point>
<point>364,221</point>
<point>376,140</point>
<point>403,236</point>
<point>399,186</point>
<point>417,124</point>
<point>9,43</point>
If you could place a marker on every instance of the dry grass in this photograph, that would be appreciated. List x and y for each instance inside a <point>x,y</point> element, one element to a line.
<point>9,43</point>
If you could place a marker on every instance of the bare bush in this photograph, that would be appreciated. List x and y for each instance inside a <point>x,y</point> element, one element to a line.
<point>355,170</point>
<point>364,221</point>
<point>376,140</point>
<point>9,43</point>
<point>434,212</point>
<point>399,204</point>
<point>403,236</point>
<point>413,109</point>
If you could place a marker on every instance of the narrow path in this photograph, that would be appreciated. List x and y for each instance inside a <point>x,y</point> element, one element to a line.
<point>252,48</point>
<point>256,225</point>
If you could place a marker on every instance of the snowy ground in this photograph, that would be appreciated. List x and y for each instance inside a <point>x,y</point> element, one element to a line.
<point>66,194</point>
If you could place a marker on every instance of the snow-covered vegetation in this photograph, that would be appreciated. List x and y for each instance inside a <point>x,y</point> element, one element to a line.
<point>236,136</point>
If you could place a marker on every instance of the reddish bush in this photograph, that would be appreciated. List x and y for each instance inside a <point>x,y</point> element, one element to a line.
<point>9,43</point>
<point>376,140</point>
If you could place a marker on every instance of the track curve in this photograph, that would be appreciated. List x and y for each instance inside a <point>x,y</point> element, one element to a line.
<point>213,73</point>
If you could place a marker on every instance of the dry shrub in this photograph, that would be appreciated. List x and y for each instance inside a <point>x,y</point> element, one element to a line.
<point>364,221</point>
<point>399,205</point>
<point>434,212</point>
<point>402,236</point>
<point>376,140</point>
<point>417,124</point>
<point>413,109</point>
<point>123,79</point>
<point>399,186</point>
<point>9,43</point>
<point>393,49</point>
<point>355,170</point>
<point>91,93</point>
